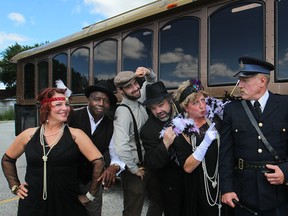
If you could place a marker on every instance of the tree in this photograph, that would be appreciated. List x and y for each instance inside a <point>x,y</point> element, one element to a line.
<point>8,69</point>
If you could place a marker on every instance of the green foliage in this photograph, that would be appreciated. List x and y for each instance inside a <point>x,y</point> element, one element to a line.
<point>8,69</point>
<point>7,115</point>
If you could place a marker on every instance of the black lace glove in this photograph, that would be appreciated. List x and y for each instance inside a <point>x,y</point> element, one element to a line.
<point>9,170</point>
<point>98,166</point>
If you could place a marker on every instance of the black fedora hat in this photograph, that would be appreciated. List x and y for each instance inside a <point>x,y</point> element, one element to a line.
<point>155,93</point>
<point>105,87</point>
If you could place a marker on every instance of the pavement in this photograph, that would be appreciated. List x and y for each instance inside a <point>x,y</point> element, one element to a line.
<point>112,198</point>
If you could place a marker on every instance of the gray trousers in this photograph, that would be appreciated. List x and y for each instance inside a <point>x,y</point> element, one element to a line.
<point>135,190</point>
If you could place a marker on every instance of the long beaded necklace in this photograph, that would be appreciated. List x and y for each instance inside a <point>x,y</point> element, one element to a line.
<point>45,155</point>
<point>212,179</point>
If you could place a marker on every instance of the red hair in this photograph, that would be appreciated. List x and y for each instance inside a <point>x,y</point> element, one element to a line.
<point>45,95</point>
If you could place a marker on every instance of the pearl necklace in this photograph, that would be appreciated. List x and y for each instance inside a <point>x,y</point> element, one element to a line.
<point>47,135</point>
<point>45,155</point>
<point>212,179</point>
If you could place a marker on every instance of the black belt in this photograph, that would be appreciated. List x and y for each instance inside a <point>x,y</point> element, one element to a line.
<point>253,165</point>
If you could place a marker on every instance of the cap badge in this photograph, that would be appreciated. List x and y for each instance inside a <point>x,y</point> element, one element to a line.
<point>242,66</point>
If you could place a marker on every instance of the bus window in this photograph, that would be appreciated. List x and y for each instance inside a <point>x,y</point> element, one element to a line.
<point>59,68</point>
<point>29,81</point>
<point>105,60</point>
<point>282,35</point>
<point>137,50</point>
<point>242,35</point>
<point>42,75</point>
<point>179,51</point>
<point>79,70</point>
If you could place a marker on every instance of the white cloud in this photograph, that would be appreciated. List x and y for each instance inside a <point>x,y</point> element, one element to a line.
<point>186,63</point>
<point>284,60</point>
<point>105,52</point>
<point>113,7</point>
<point>17,18</point>
<point>221,70</point>
<point>133,48</point>
<point>7,39</point>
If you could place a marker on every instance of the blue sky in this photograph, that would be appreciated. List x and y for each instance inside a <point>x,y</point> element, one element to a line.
<point>28,22</point>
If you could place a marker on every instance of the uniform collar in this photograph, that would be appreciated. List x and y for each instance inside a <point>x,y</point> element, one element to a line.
<point>262,100</point>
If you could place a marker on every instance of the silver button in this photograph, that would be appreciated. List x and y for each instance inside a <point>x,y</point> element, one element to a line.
<point>260,124</point>
<point>283,129</point>
<point>260,150</point>
<point>259,137</point>
<point>236,130</point>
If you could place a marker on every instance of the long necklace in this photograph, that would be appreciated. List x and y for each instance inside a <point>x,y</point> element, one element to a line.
<point>212,179</point>
<point>45,155</point>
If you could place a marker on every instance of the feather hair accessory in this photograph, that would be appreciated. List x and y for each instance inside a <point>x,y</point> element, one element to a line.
<point>59,84</point>
<point>182,124</point>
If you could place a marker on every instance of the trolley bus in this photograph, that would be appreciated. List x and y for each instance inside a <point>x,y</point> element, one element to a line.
<point>178,39</point>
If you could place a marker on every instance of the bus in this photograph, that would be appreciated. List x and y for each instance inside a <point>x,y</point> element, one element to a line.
<point>179,39</point>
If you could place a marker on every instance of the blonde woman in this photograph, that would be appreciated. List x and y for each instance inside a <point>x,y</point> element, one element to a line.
<point>197,148</point>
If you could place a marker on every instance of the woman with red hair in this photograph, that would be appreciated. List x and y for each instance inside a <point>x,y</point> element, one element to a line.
<point>52,151</point>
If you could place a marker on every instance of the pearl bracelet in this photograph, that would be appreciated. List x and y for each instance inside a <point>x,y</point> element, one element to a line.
<point>89,196</point>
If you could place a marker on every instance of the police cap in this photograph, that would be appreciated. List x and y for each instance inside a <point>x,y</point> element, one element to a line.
<point>251,66</point>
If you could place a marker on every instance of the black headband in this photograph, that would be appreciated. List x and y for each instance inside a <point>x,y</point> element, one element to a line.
<point>194,87</point>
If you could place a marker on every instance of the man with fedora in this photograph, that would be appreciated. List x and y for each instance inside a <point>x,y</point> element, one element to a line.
<point>253,165</point>
<point>159,154</point>
<point>130,116</point>
<point>96,121</point>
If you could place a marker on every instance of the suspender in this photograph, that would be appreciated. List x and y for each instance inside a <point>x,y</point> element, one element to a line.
<point>136,134</point>
<point>264,140</point>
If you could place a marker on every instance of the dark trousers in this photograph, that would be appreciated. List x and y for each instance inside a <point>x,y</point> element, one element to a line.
<point>94,208</point>
<point>134,192</point>
<point>173,199</point>
<point>280,211</point>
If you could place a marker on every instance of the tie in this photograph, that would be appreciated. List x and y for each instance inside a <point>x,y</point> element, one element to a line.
<point>257,108</point>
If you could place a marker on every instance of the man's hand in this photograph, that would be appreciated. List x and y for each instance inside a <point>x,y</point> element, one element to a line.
<point>275,178</point>
<point>169,136</point>
<point>228,197</point>
<point>141,172</point>
<point>108,177</point>
<point>142,71</point>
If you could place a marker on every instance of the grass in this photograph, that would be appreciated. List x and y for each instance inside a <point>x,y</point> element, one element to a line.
<point>7,115</point>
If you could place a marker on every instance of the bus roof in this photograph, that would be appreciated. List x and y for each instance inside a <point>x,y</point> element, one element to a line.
<point>139,13</point>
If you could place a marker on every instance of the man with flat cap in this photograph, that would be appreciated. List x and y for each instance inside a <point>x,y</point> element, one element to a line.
<point>95,120</point>
<point>254,145</point>
<point>130,116</point>
<point>159,154</point>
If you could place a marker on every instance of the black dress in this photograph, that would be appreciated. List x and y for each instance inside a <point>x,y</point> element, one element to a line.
<point>195,194</point>
<point>62,182</point>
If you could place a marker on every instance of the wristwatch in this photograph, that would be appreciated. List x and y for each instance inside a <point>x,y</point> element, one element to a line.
<point>15,189</point>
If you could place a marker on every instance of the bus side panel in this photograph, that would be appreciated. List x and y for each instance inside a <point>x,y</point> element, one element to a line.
<point>25,117</point>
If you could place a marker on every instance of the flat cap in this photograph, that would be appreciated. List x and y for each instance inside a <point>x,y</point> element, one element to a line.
<point>124,78</point>
<point>251,66</point>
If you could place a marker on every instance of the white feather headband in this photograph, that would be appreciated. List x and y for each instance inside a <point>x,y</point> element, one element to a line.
<point>61,85</point>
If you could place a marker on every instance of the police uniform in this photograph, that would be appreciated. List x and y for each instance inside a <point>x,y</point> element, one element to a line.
<point>243,155</point>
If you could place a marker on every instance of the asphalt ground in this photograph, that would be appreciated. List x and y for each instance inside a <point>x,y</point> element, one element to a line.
<point>112,198</point>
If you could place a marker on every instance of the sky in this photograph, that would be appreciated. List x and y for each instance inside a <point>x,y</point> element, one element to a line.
<point>30,22</point>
